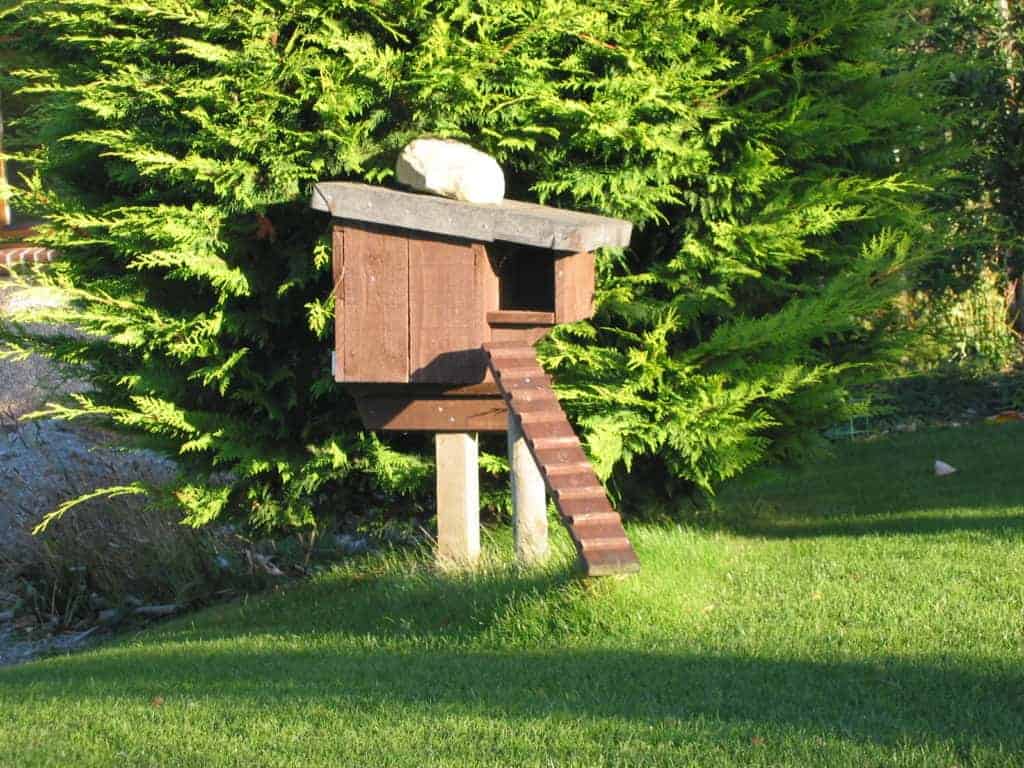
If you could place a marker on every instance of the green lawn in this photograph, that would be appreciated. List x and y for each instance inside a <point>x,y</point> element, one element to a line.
<point>860,612</point>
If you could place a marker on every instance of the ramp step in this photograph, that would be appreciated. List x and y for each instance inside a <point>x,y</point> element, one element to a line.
<point>568,469</point>
<point>587,492</point>
<point>557,430</point>
<point>587,530</point>
<point>567,481</point>
<point>549,443</point>
<point>605,545</point>
<point>593,518</point>
<point>533,394</point>
<point>569,454</point>
<point>610,562</point>
<point>541,405</point>
<point>540,417</point>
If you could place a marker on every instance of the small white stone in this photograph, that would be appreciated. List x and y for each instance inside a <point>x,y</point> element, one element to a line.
<point>942,468</point>
<point>451,169</point>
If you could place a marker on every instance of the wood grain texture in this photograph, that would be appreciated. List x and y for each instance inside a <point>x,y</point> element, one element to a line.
<point>529,499</point>
<point>5,210</point>
<point>525,334</point>
<point>376,305</point>
<point>446,328</point>
<point>484,389</point>
<point>458,500</point>
<point>520,317</point>
<point>509,221</point>
<point>575,276</point>
<point>487,284</point>
<point>433,414</point>
<point>337,277</point>
<point>593,524</point>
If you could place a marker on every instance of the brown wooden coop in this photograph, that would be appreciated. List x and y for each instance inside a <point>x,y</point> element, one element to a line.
<point>438,306</point>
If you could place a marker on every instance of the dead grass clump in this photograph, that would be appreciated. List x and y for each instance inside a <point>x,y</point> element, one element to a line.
<point>104,560</point>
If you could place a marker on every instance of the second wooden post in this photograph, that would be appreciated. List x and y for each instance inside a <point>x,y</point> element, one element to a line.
<point>529,499</point>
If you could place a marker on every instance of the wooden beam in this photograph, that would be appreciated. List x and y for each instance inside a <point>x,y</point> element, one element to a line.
<point>520,317</point>
<point>509,221</point>
<point>486,388</point>
<point>433,414</point>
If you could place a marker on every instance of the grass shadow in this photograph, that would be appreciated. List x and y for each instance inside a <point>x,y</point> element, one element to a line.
<point>407,649</point>
<point>355,663</point>
<point>996,526</point>
<point>393,599</point>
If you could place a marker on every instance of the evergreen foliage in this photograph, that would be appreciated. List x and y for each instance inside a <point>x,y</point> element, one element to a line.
<point>775,156</point>
<point>962,308</point>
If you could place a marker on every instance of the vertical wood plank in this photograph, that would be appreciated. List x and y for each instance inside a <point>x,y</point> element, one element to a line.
<point>446,322</point>
<point>529,499</point>
<point>376,305</point>
<point>488,285</point>
<point>338,276</point>
<point>5,211</point>
<point>575,276</point>
<point>458,500</point>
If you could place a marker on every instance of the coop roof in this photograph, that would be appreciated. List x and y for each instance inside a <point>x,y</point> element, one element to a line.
<point>510,221</point>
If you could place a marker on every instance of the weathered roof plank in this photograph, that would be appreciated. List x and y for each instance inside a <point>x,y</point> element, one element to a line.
<point>510,221</point>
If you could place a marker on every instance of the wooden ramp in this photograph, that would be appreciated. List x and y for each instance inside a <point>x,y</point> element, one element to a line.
<point>594,525</point>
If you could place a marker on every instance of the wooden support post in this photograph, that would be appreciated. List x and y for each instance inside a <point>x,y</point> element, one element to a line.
<point>529,499</point>
<point>458,500</point>
<point>5,209</point>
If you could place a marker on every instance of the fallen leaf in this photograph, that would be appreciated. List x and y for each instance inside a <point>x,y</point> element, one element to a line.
<point>1006,417</point>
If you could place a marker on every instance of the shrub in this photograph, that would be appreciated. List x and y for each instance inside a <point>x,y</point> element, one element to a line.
<point>965,309</point>
<point>970,330</point>
<point>771,153</point>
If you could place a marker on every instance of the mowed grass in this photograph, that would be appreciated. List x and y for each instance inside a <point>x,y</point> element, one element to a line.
<point>858,612</point>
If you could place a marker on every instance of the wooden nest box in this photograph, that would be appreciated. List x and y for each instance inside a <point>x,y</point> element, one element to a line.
<point>423,282</point>
<point>438,304</point>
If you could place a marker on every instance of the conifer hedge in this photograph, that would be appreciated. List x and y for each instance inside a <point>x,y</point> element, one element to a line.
<point>775,156</point>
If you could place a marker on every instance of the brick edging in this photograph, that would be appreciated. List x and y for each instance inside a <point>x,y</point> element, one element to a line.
<point>26,254</point>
